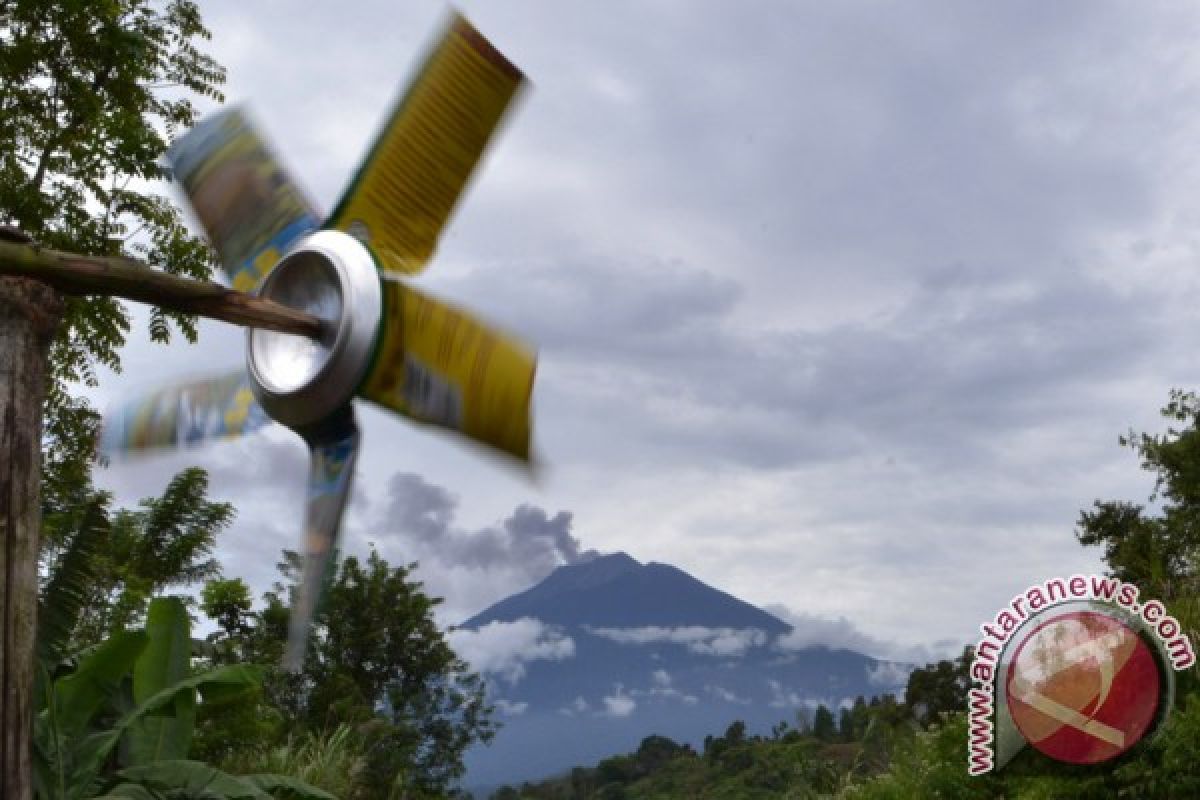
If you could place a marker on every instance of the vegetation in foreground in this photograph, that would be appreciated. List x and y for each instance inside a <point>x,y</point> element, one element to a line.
<point>381,709</point>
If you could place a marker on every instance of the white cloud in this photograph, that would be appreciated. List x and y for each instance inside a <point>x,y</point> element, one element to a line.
<point>619,704</point>
<point>810,630</point>
<point>783,697</point>
<point>669,694</point>
<point>889,675</point>
<point>511,709</point>
<point>727,642</point>
<point>661,688</point>
<point>504,648</point>
<point>722,693</point>
<point>576,706</point>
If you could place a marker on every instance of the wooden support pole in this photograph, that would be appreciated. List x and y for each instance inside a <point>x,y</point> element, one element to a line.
<point>133,280</point>
<point>29,313</point>
<point>31,279</point>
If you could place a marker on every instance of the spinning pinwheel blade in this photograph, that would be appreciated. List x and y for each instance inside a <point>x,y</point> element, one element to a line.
<point>383,340</point>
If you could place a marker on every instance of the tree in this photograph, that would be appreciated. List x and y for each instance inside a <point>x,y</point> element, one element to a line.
<point>824,727</point>
<point>227,602</point>
<point>846,725</point>
<point>85,119</point>
<point>860,718</point>
<point>168,542</point>
<point>90,95</point>
<point>655,751</point>
<point>939,688</point>
<point>376,661</point>
<point>1158,552</point>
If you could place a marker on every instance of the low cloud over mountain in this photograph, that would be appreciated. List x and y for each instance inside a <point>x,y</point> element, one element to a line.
<point>603,653</point>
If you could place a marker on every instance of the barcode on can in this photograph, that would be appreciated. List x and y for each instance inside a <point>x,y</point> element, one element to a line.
<point>429,396</point>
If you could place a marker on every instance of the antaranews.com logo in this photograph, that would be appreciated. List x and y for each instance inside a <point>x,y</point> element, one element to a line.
<point>1077,667</point>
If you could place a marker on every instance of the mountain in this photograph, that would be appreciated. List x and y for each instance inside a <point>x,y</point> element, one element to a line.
<point>602,653</point>
<point>617,591</point>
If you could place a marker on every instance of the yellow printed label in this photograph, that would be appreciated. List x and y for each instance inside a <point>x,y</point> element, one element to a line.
<point>440,365</point>
<point>417,169</point>
<point>248,204</point>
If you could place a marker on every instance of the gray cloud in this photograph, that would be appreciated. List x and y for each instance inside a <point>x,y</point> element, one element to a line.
<point>528,539</point>
<point>835,302</point>
<point>809,630</point>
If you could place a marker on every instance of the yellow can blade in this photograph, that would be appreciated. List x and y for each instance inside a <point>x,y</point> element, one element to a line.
<point>183,415</point>
<point>415,172</point>
<point>249,206</point>
<point>442,366</point>
<point>332,455</point>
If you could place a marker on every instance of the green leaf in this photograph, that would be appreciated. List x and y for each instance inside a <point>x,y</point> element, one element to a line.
<point>162,665</point>
<point>128,791</point>
<point>95,749</point>
<point>66,593</point>
<point>287,786</point>
<point>80,695</point>
<point>193,777</point>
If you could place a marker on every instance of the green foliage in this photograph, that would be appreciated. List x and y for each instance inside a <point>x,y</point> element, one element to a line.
<point>91,93</point>
<point>1158,552</point>
<point>86,713</point>
<point>334,761</point>
<point>71,579</point>
<point>796,766</point>
<point>167,543</point>
<point>939,689</point>
<point>227,602</point>
<point>377,669</point>
<point>194,779</point>
<point>931,764</point>
<point>120,722</point>
<point>165,662</point>
<point>860,719</point>
<point>824,728</point>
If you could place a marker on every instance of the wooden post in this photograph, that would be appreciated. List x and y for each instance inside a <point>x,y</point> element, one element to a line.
<point>30,309</point>
<point>29,314</point>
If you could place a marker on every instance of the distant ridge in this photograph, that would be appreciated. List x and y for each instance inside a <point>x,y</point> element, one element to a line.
<point>617,591</point>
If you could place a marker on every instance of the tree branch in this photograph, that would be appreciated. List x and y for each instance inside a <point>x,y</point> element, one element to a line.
<point>124,277</point>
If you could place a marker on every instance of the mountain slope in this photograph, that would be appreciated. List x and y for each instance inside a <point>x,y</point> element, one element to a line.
<point>601,654</point>
<point>615,590</point>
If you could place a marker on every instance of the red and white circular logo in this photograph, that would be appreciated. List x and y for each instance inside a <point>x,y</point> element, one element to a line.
<point>1083,687</point>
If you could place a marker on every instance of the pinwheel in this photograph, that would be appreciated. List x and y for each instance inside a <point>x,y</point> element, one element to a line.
<point>382,340</point>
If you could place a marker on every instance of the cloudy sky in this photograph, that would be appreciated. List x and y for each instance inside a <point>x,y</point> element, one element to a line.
<point>840,306</point>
